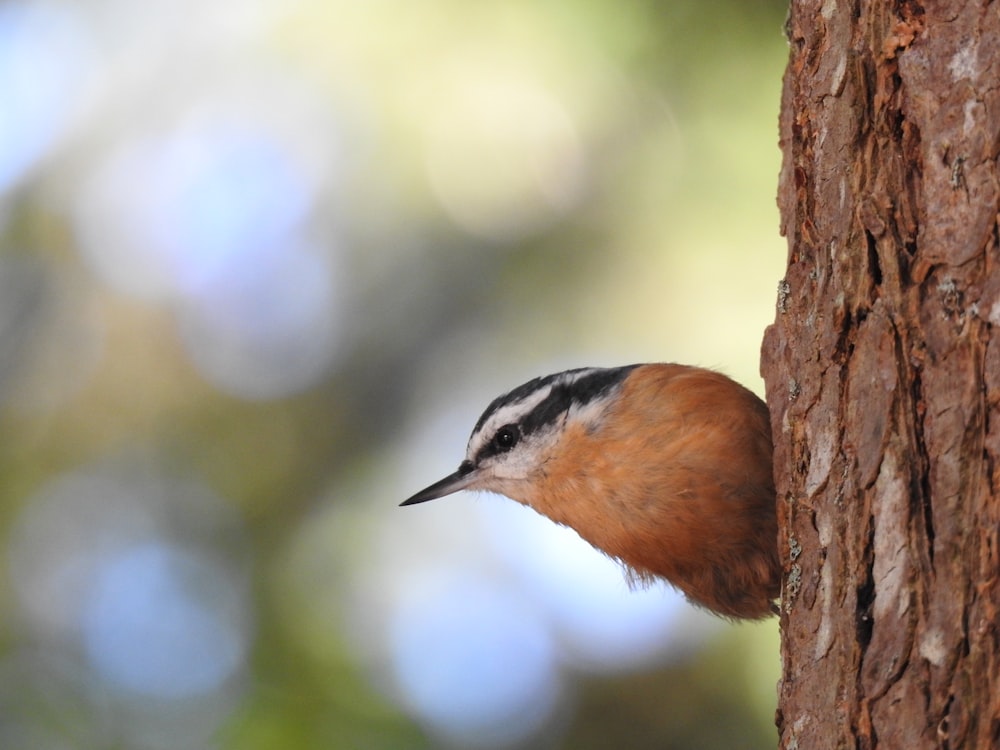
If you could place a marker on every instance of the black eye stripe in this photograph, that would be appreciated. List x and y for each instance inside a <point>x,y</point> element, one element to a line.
<point>567,387</point>
<point>561,392</point>
<point>549,409</point>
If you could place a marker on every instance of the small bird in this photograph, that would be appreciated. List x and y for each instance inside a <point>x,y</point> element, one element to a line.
<point>664,467</point>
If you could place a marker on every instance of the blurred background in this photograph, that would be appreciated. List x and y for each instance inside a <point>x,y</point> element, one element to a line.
<point>262,265</point>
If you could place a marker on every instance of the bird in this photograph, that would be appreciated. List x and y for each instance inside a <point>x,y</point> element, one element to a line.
<point>667,468</point>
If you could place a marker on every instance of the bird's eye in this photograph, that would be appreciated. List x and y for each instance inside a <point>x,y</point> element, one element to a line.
<point>506,438</point>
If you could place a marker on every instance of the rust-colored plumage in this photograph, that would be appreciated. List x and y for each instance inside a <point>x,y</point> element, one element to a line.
<point>665,467</point>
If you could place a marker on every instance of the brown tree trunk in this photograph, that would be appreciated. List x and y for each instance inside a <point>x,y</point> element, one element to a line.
<point>883,376</point>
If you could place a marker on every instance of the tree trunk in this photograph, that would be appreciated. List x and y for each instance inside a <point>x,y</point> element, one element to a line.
<point>883,376</point>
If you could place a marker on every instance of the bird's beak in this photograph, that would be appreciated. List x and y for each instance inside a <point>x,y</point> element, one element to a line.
<point>460,480</point>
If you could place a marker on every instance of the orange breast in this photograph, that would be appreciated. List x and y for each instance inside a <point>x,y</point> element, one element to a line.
<point>676,482</point>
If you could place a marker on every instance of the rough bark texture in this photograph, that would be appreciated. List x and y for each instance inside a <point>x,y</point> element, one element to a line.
<point>883,376</point>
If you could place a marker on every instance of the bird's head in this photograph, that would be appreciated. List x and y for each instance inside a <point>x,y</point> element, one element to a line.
<point>520,430</point>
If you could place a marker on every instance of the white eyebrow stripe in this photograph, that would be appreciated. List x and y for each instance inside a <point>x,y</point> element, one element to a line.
<point>515,412</point>
<point>506,414</point>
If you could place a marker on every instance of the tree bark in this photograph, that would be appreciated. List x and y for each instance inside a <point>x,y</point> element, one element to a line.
<point>883,376</point>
